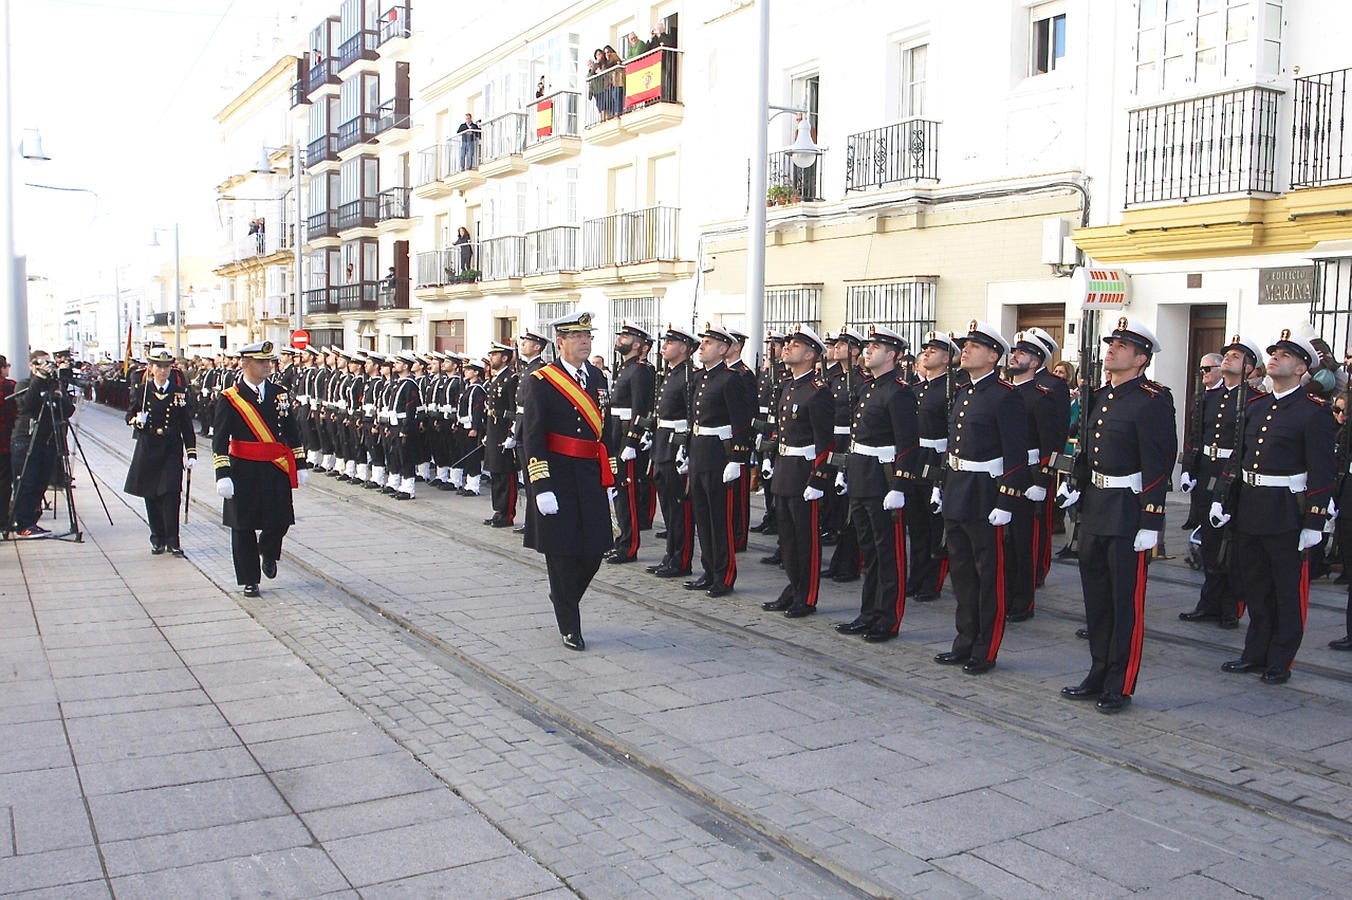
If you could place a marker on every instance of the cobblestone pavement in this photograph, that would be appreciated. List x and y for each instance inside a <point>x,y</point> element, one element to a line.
<point>697,748</point>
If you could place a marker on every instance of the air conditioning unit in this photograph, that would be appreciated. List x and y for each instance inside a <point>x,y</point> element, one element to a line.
<point>1055,238</point>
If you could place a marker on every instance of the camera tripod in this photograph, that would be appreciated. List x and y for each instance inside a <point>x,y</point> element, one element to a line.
<point>58,427</point>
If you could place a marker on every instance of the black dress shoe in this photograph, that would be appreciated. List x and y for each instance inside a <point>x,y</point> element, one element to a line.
<point>520,529</point>
<point>402,496</point>
<point>776,605</point>
<point>1228,622</point>
<point>699,584</point>
<point>1241,666</point>
<point>177,551</point>
<point>1082,633</point>
<point>977,666</point>
<point>670,572</point>
<point>1276,676</point>
<point>1112,703</point>
<point>879,637</point>
<point>616,559</point>
<point>951,658</point>
<point>653,569</point>
<point>1082,691</point>
<point>574,642</point>
<point>1343,643</point>
<point>269,567</point>
<point>774,559</point>
<point>925,597</point>
<point>719,590</point>
<point>844,578</point>
<point>251,590</point>
<point>493,520</point>
<point>661,535</point>
<point>1023,616</point>
<point>858,626</point>
<point>503,524</point>
<point>1198,615</point>
<point>799,611</point>
<point>829,539</point>
<point>759,529</point>
<point>156,549</point>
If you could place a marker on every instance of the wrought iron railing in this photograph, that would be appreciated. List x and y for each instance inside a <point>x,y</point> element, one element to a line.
<point>393,203</point>
<point>552,116</point>
<point>643,235</point>
<point>321,72</point>
<point>360,213</point>
<point>1321,138</point>
<point>789,184</point>
<point>320,300</point>
<point>395,23</point>
<point>551,250</point>
<point>394,293</point>
<point>461,154</point>
<point>393,113</point>
<point>449,265</point>
<point>503,136</point>
<point>358,296</point>
<point>430,162</point>
<point>299,93</point>
<point>642,81</point>
<point>356,131</point>
<point>502,257</point>
<point>361,45</point>
<point>322,224</point>
<point>321,149</point>
<point>1222,143</point>
<point>906,151</point>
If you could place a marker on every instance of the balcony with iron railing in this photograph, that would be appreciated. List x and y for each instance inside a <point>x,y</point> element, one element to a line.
<point>787,184</point>
<point>361,45</point>
<point>359,213</point>
<point>300,94</point>
<point>902,153</point>
<point>1223,143</point>
<point>627,238</point>
<point>460,163</point>
<point>321,150</point>
<point>357,296</point>
<point>1321,135</point>
<point>553,127</point>
<point>395,23</point>
<point>504,137</point>
<point>361,130</point>
<point>393,204</point>
<point>321,225</point>
<point>320,301</point>
<point>392,114</point>
<point>502,258</point>
<point>394,293</point>
<point>278,306</point>
<point>636,96</point>
<point>455,265</point>
<point>321,72</point>
<point>552,251</point>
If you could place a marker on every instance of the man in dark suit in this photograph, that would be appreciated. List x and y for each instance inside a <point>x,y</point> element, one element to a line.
<point>161,419</point>
<point>259,460</point>
<point>670,438</point>
<point>568,470</point>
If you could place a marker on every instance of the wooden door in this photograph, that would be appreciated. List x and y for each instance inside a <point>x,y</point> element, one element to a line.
<point>1050,317</point>
<point>1206,334</point>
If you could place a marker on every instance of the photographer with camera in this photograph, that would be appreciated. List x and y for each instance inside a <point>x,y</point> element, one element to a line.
<point>44,406</point>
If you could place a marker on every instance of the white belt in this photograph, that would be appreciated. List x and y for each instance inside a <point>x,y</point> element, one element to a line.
<point>466,421</point>
<point>763,410</point>
<point>386,416</point>
<point>303,398</point>
<point>314,403</point>
<point>881,454</point>
<point>423,410</point>
<point>1211,451</point>
<point>1107,482</point>
<point>1033,457</point>
<point>939,444</point>
<point>808,452</point>
<point>623,412</point>
<point>992,467</point>
<point>1293,483</point>
<point>368,408</point>
<point>841,429</point>
<point>680,426</point>
<point>722,432</point>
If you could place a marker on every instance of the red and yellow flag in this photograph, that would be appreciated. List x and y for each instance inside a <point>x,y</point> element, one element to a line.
<point>643,78</point>
<point>544,119</point>
<point>126,356</point>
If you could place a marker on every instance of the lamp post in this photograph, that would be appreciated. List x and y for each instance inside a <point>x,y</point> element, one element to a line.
<point>178,290</point>
<point>802,154</point>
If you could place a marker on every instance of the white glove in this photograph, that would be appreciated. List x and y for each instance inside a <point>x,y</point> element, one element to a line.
<point>683,466</point>
<point>141,419</point>
<point>612,493</point>
<point>1037,493</point>
<point>628,454</point>
<point>731,472</point>
<point>225,487</point>
<point>894,500</point>
<point>1309,537</point>
<point>1145,540</point>
<point>303,477</point>
<point>1065,497</point>
<point>191,463</point>
<point>547,503</point>
<point>1333,510</point>
<point>936,501</point>
<point>841,486</point>
<point>1186,483</point>
<point>509,444</point>
<point>999,517</point>
<point>646,442</point>
<point>767,468</point>
<point>811,493</point>
<point>520,477</point>
<point>1217,515</point>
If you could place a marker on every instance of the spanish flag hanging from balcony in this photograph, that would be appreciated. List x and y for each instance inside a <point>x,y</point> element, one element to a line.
<point>126,357</point>
<point>544,118</point>
<point>643,78</point>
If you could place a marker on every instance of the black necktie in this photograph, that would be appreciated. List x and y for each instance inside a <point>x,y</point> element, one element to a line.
<point>582,379</point>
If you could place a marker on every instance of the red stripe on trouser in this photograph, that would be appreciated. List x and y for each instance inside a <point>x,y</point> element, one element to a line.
<point>998,628</point>
<point>731,575</point>
<point>632,549</point>
<point>1137,628</point>
<point>511,498</point>
<point>814,555</point>
<point>1304,591</point>
<point>688,539</point>
<point>1033,569</point>
<point>899,545</point>
<point>1048,513</point>
<point>1239,605</point>
<point>943,574</point>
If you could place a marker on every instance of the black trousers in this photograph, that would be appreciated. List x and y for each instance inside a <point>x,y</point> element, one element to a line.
<point>741,489</point>
<point>926,531</point>
<point>569,577</point>
<point>976,553</point>
<point>676,516</point>
<point>32,463</point>
<point>845,559</point>
<point>503,494</point>
<point>711,504</point>
<point>1276,577</point>
<point>882,542</point>
<point>628,507</point>
<point>162,516</point>
<point>1020,557</point>
<point>1113,577</point>
<point>1220,591</point>
<point>247,545</point>
<point>800,546</point>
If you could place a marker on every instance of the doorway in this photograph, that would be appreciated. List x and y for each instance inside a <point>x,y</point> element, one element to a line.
<point>1206,334</point>
<point>1050,317</point>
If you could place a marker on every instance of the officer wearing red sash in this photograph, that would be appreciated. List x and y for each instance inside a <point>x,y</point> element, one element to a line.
<point>259,460</point>
<point>568,518</point>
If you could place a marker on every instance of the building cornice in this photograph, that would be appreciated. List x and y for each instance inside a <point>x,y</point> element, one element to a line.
<point>283,69</point>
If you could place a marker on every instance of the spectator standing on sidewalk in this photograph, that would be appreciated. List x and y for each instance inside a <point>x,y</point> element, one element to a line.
<point>161,421</point>
<point>9,411</point>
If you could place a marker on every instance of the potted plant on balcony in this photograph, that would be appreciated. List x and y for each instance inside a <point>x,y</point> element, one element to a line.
<point>466,276</point>
<point>781,195</point>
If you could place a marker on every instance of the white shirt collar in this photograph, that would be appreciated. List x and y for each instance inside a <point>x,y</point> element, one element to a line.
<point>1278,396</point>
<point>256,388</point>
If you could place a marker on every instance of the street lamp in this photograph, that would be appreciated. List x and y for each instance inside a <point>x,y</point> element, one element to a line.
<point>298,245</point>
<point>178,289</point>
<point>802,154</point>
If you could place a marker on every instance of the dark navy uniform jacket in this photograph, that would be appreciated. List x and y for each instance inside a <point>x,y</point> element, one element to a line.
<point>1214,429</point>
<point>262,490</point>
<point>1059,391</point>
<point>884,416</point>
<point>500,409</point>
<point>633,390</point>
<point>720,400</point>
<point>987,422</point>
<point>672,406</point>
<point>157,461</point>
<point>1286,436</point>
<point>1044,437</point>
<point>931,399</point>
<point>806,418</point>
<point>1128,429</point>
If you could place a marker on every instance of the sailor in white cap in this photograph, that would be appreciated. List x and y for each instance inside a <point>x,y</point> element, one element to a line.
<point>1059,390</point>
<point>934,386</point>
<point>630,402</point>
<point>670,438</point>
<point>741,509</point>
<point>1122,472</point>
<point>1285,483</point>
<point>500,403</point>
<point>846,378</point>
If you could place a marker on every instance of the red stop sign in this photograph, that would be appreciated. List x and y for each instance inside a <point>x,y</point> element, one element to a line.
<point>300,339</point>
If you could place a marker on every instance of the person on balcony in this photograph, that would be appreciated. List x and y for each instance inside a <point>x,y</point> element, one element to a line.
<point>596,90</point>
<point>614,80</point>
<point>469,133</point>
<point>466,245</point>
<point>633,47</point>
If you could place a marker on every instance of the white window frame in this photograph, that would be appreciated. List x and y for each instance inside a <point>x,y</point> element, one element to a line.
<point>906,107</point>
<point>1182,49</point>
<point>1044,60</point>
